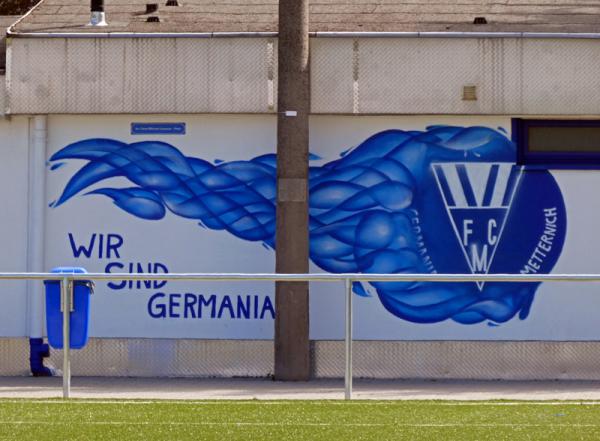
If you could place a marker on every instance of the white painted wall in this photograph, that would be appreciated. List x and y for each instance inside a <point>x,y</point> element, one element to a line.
<point>559,312</point>
<point>180,244</point>
<point>13,234</point>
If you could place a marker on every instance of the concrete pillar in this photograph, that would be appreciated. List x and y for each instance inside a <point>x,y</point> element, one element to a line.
<point>292,352</point>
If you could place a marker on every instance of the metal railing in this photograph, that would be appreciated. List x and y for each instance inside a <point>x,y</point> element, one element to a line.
<point>66,289</point>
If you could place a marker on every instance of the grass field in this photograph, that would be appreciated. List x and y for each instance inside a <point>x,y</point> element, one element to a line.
<point>299,420</point>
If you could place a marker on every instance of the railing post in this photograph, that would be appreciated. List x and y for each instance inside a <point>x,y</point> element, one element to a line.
<point>348,341</point>
<point>66,290</point>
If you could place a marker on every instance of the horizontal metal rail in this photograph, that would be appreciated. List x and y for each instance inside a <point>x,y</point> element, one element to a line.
<point>269,277</point>
<point>66,282</point>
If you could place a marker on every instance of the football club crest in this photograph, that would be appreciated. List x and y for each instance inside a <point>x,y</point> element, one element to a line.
<point>478,198</point>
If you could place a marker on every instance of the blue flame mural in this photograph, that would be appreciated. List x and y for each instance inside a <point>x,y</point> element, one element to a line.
<point>443,200</point>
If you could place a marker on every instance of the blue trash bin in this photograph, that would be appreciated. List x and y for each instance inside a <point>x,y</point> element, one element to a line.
<point>80,316</point>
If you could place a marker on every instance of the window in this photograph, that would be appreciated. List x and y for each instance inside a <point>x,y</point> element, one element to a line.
<point>558,143</point>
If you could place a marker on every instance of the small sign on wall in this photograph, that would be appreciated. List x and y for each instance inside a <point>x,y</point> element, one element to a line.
<point>138,128</point>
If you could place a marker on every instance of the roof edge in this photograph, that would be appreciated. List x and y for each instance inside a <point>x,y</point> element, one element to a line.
<point>560,35</point>
<point>21,18</point>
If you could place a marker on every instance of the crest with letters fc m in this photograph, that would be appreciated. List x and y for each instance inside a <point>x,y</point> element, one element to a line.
<point>478,197</point>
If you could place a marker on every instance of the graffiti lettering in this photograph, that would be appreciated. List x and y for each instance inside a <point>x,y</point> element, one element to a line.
<point>197,306</point>
<point>544,246</point>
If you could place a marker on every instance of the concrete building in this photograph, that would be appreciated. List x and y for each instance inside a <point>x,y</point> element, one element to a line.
<point>446,138</point>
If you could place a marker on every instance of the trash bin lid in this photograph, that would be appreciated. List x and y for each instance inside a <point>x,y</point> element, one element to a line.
<point>66,270</point>
<point>69,270</point>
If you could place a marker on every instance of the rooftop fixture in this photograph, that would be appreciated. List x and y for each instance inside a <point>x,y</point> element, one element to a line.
<point>97,17</point>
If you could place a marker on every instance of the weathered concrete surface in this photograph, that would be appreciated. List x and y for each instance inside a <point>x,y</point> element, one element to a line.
<point>292,346</point>
<point>239,389</point>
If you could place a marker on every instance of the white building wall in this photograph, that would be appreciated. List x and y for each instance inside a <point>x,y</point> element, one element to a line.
<point>181,245</point>
<point>13,234</point>
<point>126,340</point>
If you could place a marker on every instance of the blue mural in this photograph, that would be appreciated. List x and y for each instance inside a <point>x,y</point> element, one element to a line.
<point>443,200</point>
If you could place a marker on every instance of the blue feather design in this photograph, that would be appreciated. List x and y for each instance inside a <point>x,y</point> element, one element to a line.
<point>362,207</point>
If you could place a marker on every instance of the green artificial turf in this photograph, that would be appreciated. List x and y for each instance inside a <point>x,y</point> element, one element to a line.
<point>298,420</point>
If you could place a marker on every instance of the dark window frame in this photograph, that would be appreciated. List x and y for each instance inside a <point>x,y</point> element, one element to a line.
<point>560,159</point>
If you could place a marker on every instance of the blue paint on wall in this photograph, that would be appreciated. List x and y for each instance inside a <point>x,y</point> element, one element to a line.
<point>446,200</point>
<point>157,128</point>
